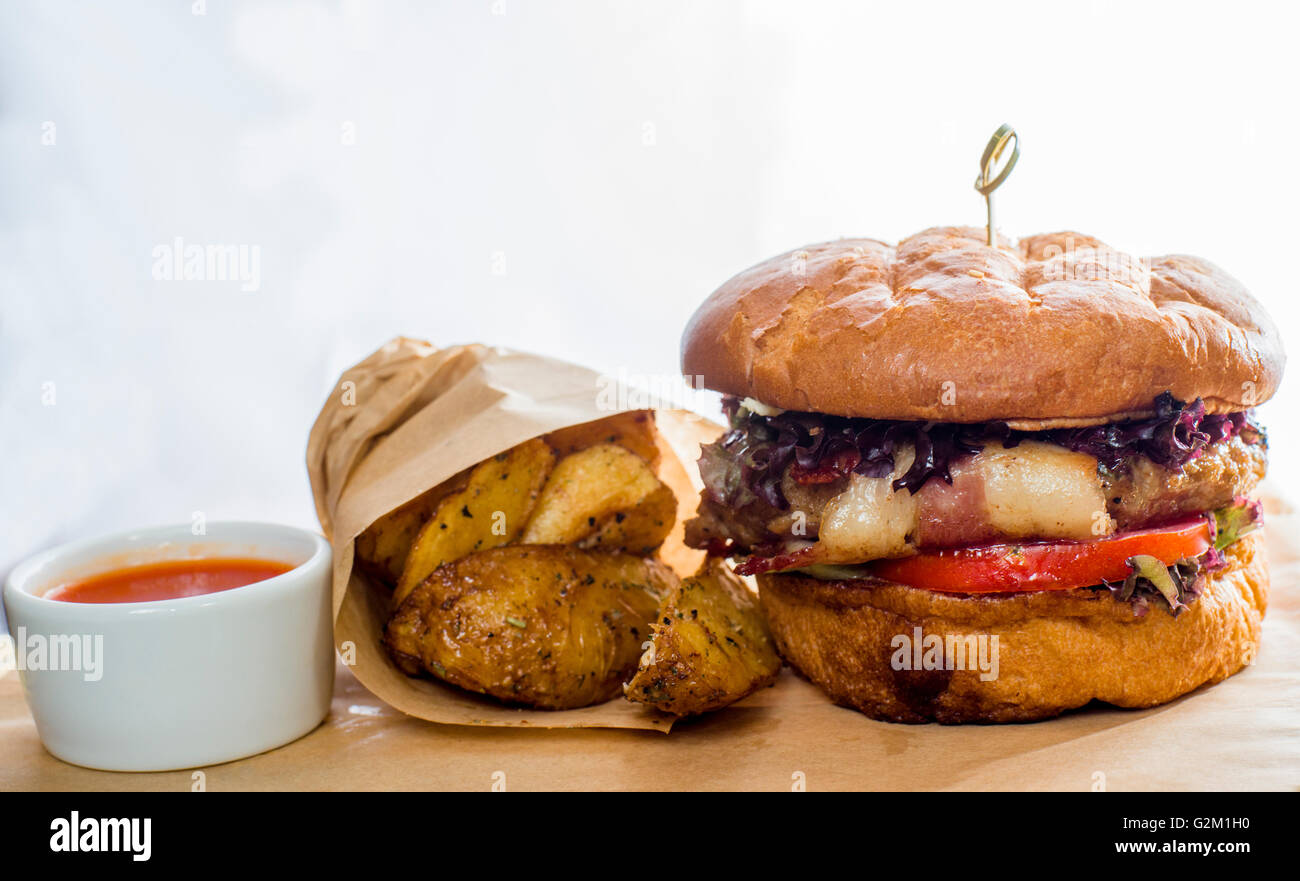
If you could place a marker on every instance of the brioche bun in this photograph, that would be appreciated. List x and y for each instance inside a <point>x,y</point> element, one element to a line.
<point>1057,650</point>
<point>1051,331</point>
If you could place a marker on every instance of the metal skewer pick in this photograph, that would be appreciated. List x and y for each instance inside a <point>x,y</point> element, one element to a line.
<point>986,183</point>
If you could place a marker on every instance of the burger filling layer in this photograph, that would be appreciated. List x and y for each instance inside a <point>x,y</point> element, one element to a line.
<point>803,491</point>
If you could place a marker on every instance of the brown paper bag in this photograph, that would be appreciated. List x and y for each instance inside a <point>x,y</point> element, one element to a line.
<point>411,416</point>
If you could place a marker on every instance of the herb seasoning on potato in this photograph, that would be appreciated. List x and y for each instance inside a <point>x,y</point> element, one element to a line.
<point>710,646</point>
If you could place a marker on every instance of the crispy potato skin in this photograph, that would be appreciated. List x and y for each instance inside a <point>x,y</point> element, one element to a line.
<point>634,431</point>
<point>382,549</point>
<point>640,529</point>
<point>543,626</point>
<point>491,510</point>
<point>603,496</point>
<point>711,647</point>
<point>1057,649</point>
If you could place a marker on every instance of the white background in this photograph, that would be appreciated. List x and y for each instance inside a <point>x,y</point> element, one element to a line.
<point>619,160</point>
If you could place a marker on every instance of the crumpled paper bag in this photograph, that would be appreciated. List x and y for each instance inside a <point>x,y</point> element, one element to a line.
<point>411,416</point>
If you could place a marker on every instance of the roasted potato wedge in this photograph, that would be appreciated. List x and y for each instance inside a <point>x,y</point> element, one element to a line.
<point>710,647</point>
<point>638,530</point>
<point>491,510</point>
<point>382,549</point>
<point>633,431</point>
<point>603,496</point>
<point>542,626</point>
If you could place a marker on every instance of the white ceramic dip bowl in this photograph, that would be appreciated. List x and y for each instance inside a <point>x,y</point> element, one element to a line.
<point>178,683</point>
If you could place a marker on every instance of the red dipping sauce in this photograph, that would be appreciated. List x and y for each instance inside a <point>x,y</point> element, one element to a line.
<point>168,580</point>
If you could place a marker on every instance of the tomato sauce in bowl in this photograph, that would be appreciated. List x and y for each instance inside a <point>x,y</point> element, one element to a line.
<point>176,650</point>
<point>168,580</point>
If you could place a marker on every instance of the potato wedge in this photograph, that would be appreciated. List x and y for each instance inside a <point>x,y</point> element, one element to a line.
<point>382,549</point>
<point>638,530</point>
<point>603,496</point>
<point>634,430</point>
<point>542,626</point>
<point>710,647</point>
<point>492,510</point>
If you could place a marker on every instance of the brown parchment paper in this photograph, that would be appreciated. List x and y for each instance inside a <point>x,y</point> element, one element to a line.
<point>411,416</point>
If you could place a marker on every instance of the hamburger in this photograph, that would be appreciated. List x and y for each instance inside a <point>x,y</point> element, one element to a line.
<point>991,483</point>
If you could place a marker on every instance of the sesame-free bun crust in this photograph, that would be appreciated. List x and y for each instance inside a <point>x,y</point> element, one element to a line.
<point>1053,330</point>
<point>1057,650</point>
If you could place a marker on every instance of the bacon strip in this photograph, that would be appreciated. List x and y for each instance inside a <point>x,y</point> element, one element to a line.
<point>952,515</point>
<point>793,560</point>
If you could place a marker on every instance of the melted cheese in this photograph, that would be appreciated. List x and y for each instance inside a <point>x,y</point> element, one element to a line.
<point>1032,491</point>
<point>1040,490</point>
<point>869,520</point>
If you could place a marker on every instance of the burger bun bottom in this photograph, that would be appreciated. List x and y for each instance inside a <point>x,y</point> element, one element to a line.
<point>1055,650</point>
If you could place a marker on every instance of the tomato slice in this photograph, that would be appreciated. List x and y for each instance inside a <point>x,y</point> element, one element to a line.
<point>1049,565</point>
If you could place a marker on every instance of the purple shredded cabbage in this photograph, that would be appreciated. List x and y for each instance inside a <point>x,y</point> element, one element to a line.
<point>749,461</point>
<point>1175,435</point>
